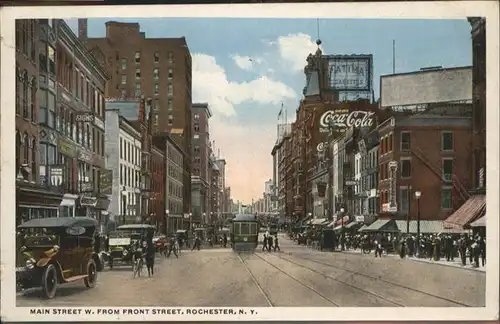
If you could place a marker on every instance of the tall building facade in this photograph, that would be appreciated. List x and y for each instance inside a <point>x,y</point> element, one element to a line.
<point>200,181</point>
<point>158,68</point>
<point>221,165</point>
<point>214,210</point>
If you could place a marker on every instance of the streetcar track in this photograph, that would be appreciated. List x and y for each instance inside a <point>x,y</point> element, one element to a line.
<point>298,281</point>
<point>268,300</point>
<point>377,278</point>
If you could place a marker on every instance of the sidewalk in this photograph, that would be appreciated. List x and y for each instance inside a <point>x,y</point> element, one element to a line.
<point>454,264</point>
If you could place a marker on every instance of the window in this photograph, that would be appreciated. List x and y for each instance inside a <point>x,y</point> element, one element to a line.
<point>446,141</point>
<point>405,141</point>
<point>170,105</point>
<point>170,73</point>
<point>157,57</point>
<point>196,116</point>
<point>34,147</point>
<point>389,143</point>
<point>156,73</point>
<point>137,57</point>
<point>52,60</point>
<point>446,198</point>
<point>51,116</point>
<point>404,199</point>
<point>405,168</point>
<point>124,79</point>
<point>26,146</point>
<point>25,94</point>
<point>157,88</point>
<point>33,99</point>
<point>170,57</point>
<point>196,136</point>
<point>137,88</point>
<point>196,128</point>
<point>124,64</point>
<point>137,73</point>
<point>447,169</point>
<point>170,89</point>
<point>170,119</point>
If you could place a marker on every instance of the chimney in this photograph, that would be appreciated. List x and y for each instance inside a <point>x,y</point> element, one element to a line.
<point>82,29</point>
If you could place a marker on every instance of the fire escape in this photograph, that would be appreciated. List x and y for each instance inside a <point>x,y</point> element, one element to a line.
<point>457,185</point>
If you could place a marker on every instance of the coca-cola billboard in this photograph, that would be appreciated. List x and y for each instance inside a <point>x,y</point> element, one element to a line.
<point>342,119</point>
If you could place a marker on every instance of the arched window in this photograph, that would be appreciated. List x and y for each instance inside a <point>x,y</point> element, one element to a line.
<point>34,39</point>
<point>34,146</point>
<point>25,94</point>
<point>26,143</point>
<point>34,89</point>
<point>18,150</point>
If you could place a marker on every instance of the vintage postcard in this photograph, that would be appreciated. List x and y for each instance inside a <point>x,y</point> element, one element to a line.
<point>240,162</point>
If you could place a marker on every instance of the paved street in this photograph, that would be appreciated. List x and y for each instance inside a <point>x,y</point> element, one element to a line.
<point>297,276</point>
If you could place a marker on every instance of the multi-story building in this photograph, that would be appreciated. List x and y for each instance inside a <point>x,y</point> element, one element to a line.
<point>201,114</point>
<point>368,177</point>
<point>214,210</point>
<point>268,193</point>
<point>71,145</point>
<point>478,34</point>
<point>158,68</point>
<point>37,196</point>
<point>123,155</point>
<point>157,198</point>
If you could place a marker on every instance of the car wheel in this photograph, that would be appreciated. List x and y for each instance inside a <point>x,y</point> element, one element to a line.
<point>49,281</point>
<point>91,278</point>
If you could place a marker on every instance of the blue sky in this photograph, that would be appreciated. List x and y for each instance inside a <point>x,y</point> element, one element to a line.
<point>246,98</point>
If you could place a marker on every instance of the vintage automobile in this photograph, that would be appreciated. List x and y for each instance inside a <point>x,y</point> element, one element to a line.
<point>121,243</point>
<point>54,251</point>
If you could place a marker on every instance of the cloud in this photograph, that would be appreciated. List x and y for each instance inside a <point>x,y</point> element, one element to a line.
<point>245,62</point>
<point>210,84</point>
<point>294,49</point>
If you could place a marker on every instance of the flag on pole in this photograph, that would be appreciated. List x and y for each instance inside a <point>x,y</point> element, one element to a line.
<point>281,112</point>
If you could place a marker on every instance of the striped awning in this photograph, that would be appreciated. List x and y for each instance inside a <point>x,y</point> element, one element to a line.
<point>481,222</point>
<point>471,210</point>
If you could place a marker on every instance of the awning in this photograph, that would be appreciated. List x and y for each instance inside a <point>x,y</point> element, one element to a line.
<point>352,224</point>
<point>332,224</point>
<point>382,225</point>
<point>481,222</point>
<point>338,228</point>
<point>427,227</point>
<point>67,202</point>
<point>362,228</point>
<point>318,221</point>
<point>471,210</point>
<point>345,219</point>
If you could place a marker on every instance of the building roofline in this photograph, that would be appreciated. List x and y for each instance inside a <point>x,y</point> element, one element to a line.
<point>429,71</point>
<point>204,105</point>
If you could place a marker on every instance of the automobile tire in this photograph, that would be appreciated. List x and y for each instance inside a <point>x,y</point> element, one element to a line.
<point>49,281</point>
<point>91,278</point>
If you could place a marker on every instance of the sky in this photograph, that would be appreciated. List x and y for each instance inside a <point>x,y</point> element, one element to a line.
<point>246,68</point>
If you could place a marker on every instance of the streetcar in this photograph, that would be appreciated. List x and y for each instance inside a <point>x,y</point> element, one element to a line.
<point>244,233</point>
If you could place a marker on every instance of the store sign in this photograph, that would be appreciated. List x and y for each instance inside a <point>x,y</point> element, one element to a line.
<point>99,123</point>
<point>350,72</point>
<point>106,182</point>
<point>346,119</point>
<point>88,201</point>
<point>322,146</point>
<point>85,156</point>
<point>87,186</point>
<point>66,147</point>
<point>393,206</point>
<point>56,175</point>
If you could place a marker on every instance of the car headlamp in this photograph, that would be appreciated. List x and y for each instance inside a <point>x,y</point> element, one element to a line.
<point>30,263</point>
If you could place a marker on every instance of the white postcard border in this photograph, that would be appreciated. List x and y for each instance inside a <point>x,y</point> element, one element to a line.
<point>416,10</point>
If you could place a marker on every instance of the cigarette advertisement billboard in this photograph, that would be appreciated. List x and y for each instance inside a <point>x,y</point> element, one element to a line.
<point>350,73</point>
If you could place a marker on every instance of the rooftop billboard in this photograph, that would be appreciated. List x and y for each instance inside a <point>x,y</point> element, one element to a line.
<point>350,73</point>
<point>426,86</point>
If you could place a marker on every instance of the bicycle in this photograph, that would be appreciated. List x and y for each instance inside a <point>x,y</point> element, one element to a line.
<point>137,265</point>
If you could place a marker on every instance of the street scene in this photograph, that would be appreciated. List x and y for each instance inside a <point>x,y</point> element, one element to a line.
<point>295,276</point>
<point>156,169</point>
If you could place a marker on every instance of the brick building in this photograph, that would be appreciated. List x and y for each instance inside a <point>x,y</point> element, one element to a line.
<point>431,154</point>
<point>158,68</point>
<point>200,181</point>
<point>157,198</point>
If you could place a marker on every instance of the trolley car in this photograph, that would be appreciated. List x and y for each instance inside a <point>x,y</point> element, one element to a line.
<point>244,233</point>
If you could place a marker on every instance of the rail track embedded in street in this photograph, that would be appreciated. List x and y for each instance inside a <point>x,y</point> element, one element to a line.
<point>298,281</point>
<point>268,300</point>
<point>353,272</point>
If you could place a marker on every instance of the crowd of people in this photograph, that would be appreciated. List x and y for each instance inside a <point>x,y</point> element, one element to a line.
<point>270,243</point>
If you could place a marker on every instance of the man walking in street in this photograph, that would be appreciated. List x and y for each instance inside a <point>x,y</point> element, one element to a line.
<point>264,243</point>
<point>196,244</point>
<point>276,244</point>
<point>270,243</point>
<point>172,247</point>
<point>225,240</point>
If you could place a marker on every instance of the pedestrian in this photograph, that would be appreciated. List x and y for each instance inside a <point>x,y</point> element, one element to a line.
<point>150,255</point>
<point>172,247</point>
<point>225,240</point>
<point>196,244</point>
<point>402,248</point>
<point>264,243</point>
<point>269,243</point>
<point>462,249</point>
<point>276,244</point>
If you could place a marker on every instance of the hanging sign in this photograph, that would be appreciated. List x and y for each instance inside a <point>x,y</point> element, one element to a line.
<point>393,206</point>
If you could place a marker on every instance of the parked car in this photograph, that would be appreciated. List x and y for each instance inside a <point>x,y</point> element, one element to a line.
<point>55,251</point>
<point>120,243</point>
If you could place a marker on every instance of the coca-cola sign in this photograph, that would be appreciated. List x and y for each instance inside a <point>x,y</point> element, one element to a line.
<point>345,119</point>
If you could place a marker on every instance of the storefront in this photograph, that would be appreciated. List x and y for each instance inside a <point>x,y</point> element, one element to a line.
<point>67,207</point>
<point>35,202</point>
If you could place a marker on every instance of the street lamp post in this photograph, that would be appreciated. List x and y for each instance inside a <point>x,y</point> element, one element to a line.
<point>204,215</point>
<point>417,196</point>
<point>190,221</point>
<point>124,204</point>
<point>166,220</point>
<point>342,229</point>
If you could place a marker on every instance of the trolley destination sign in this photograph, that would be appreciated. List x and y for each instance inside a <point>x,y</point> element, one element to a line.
<point>346,119</point>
